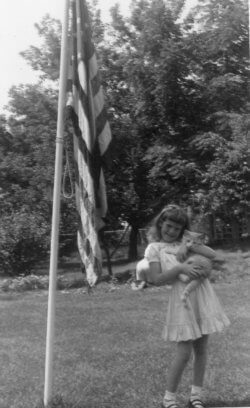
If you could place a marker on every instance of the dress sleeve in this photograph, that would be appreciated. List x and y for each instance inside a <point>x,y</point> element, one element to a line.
<point>152,254</point>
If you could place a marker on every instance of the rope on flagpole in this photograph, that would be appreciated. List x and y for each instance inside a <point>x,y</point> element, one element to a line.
<point>68,173</point>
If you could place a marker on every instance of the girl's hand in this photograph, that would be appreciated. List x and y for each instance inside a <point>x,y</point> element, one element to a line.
<point>194,271</point>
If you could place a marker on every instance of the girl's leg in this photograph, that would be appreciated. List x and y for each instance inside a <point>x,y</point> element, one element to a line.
<point>184,349</point>
<point>200,360</point>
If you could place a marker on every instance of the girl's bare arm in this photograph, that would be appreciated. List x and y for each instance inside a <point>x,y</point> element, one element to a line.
<point>157,277</point>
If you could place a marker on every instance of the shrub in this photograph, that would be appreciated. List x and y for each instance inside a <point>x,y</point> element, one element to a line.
<point>34,282</point>
<point>24,240</point>
<point>23,283</point>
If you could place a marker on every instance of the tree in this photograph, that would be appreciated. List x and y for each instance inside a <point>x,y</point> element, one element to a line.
<point>142,112</point>
<point>144,108</point>
<point>218,44</point>
<point>27,168</point>
<point>176,94</point>
<point>28,155</point>
<point>46,58</point>
<point>186,85</point>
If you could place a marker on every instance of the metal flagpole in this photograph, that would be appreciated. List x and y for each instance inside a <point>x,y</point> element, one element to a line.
<point>56,208</point>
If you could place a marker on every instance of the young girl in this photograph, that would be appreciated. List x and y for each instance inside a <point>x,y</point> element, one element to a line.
<point>188,326</point>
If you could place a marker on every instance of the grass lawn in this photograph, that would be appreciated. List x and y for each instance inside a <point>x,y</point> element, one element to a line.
<point>109,352</point>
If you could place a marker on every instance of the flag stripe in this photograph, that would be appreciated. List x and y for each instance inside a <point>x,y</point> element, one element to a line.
<point>86,209</point>
<point>93,70</point>
<point>98,103</point>
<point>92,137</point>
<point>104,139</point>
<point>92,159</point>
<point>84,194</point>
<point>101,125</point>
<point>95,83</point>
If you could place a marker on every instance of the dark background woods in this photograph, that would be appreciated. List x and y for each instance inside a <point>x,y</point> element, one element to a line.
<point>177,100</point>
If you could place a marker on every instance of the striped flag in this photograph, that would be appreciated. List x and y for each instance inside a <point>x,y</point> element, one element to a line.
<point>92,137</point>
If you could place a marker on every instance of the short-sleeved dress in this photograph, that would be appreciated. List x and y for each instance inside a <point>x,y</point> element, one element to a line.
<point>204,314</point>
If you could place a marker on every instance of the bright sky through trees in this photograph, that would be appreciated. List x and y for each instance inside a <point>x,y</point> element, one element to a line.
<point>17,33</point>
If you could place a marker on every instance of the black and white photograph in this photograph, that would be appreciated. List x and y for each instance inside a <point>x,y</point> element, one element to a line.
<point>125,204</point>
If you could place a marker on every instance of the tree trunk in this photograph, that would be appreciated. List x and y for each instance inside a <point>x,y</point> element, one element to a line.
<point>211,228</point>
<point>235,231</point>
<point>109,264</point>
<point>132,249</point>
<point>106,249</point>
<point>248,224</point>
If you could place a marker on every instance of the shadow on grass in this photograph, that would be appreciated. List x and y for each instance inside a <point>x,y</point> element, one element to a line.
<point>60,402</point>
<point>231,404</point>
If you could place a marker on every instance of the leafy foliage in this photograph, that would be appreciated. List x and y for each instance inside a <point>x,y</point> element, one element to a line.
<point>177,100</point>
<point>23,242</point>
<point>46,58</point>
<point>27,153</point>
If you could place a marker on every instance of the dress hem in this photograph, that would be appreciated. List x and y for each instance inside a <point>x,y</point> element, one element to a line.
<point>185,332</point>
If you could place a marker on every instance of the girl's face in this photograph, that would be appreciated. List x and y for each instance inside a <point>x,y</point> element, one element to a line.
<point>170,231</point>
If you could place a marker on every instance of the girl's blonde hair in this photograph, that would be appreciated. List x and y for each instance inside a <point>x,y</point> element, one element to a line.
<point>173,213</point>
